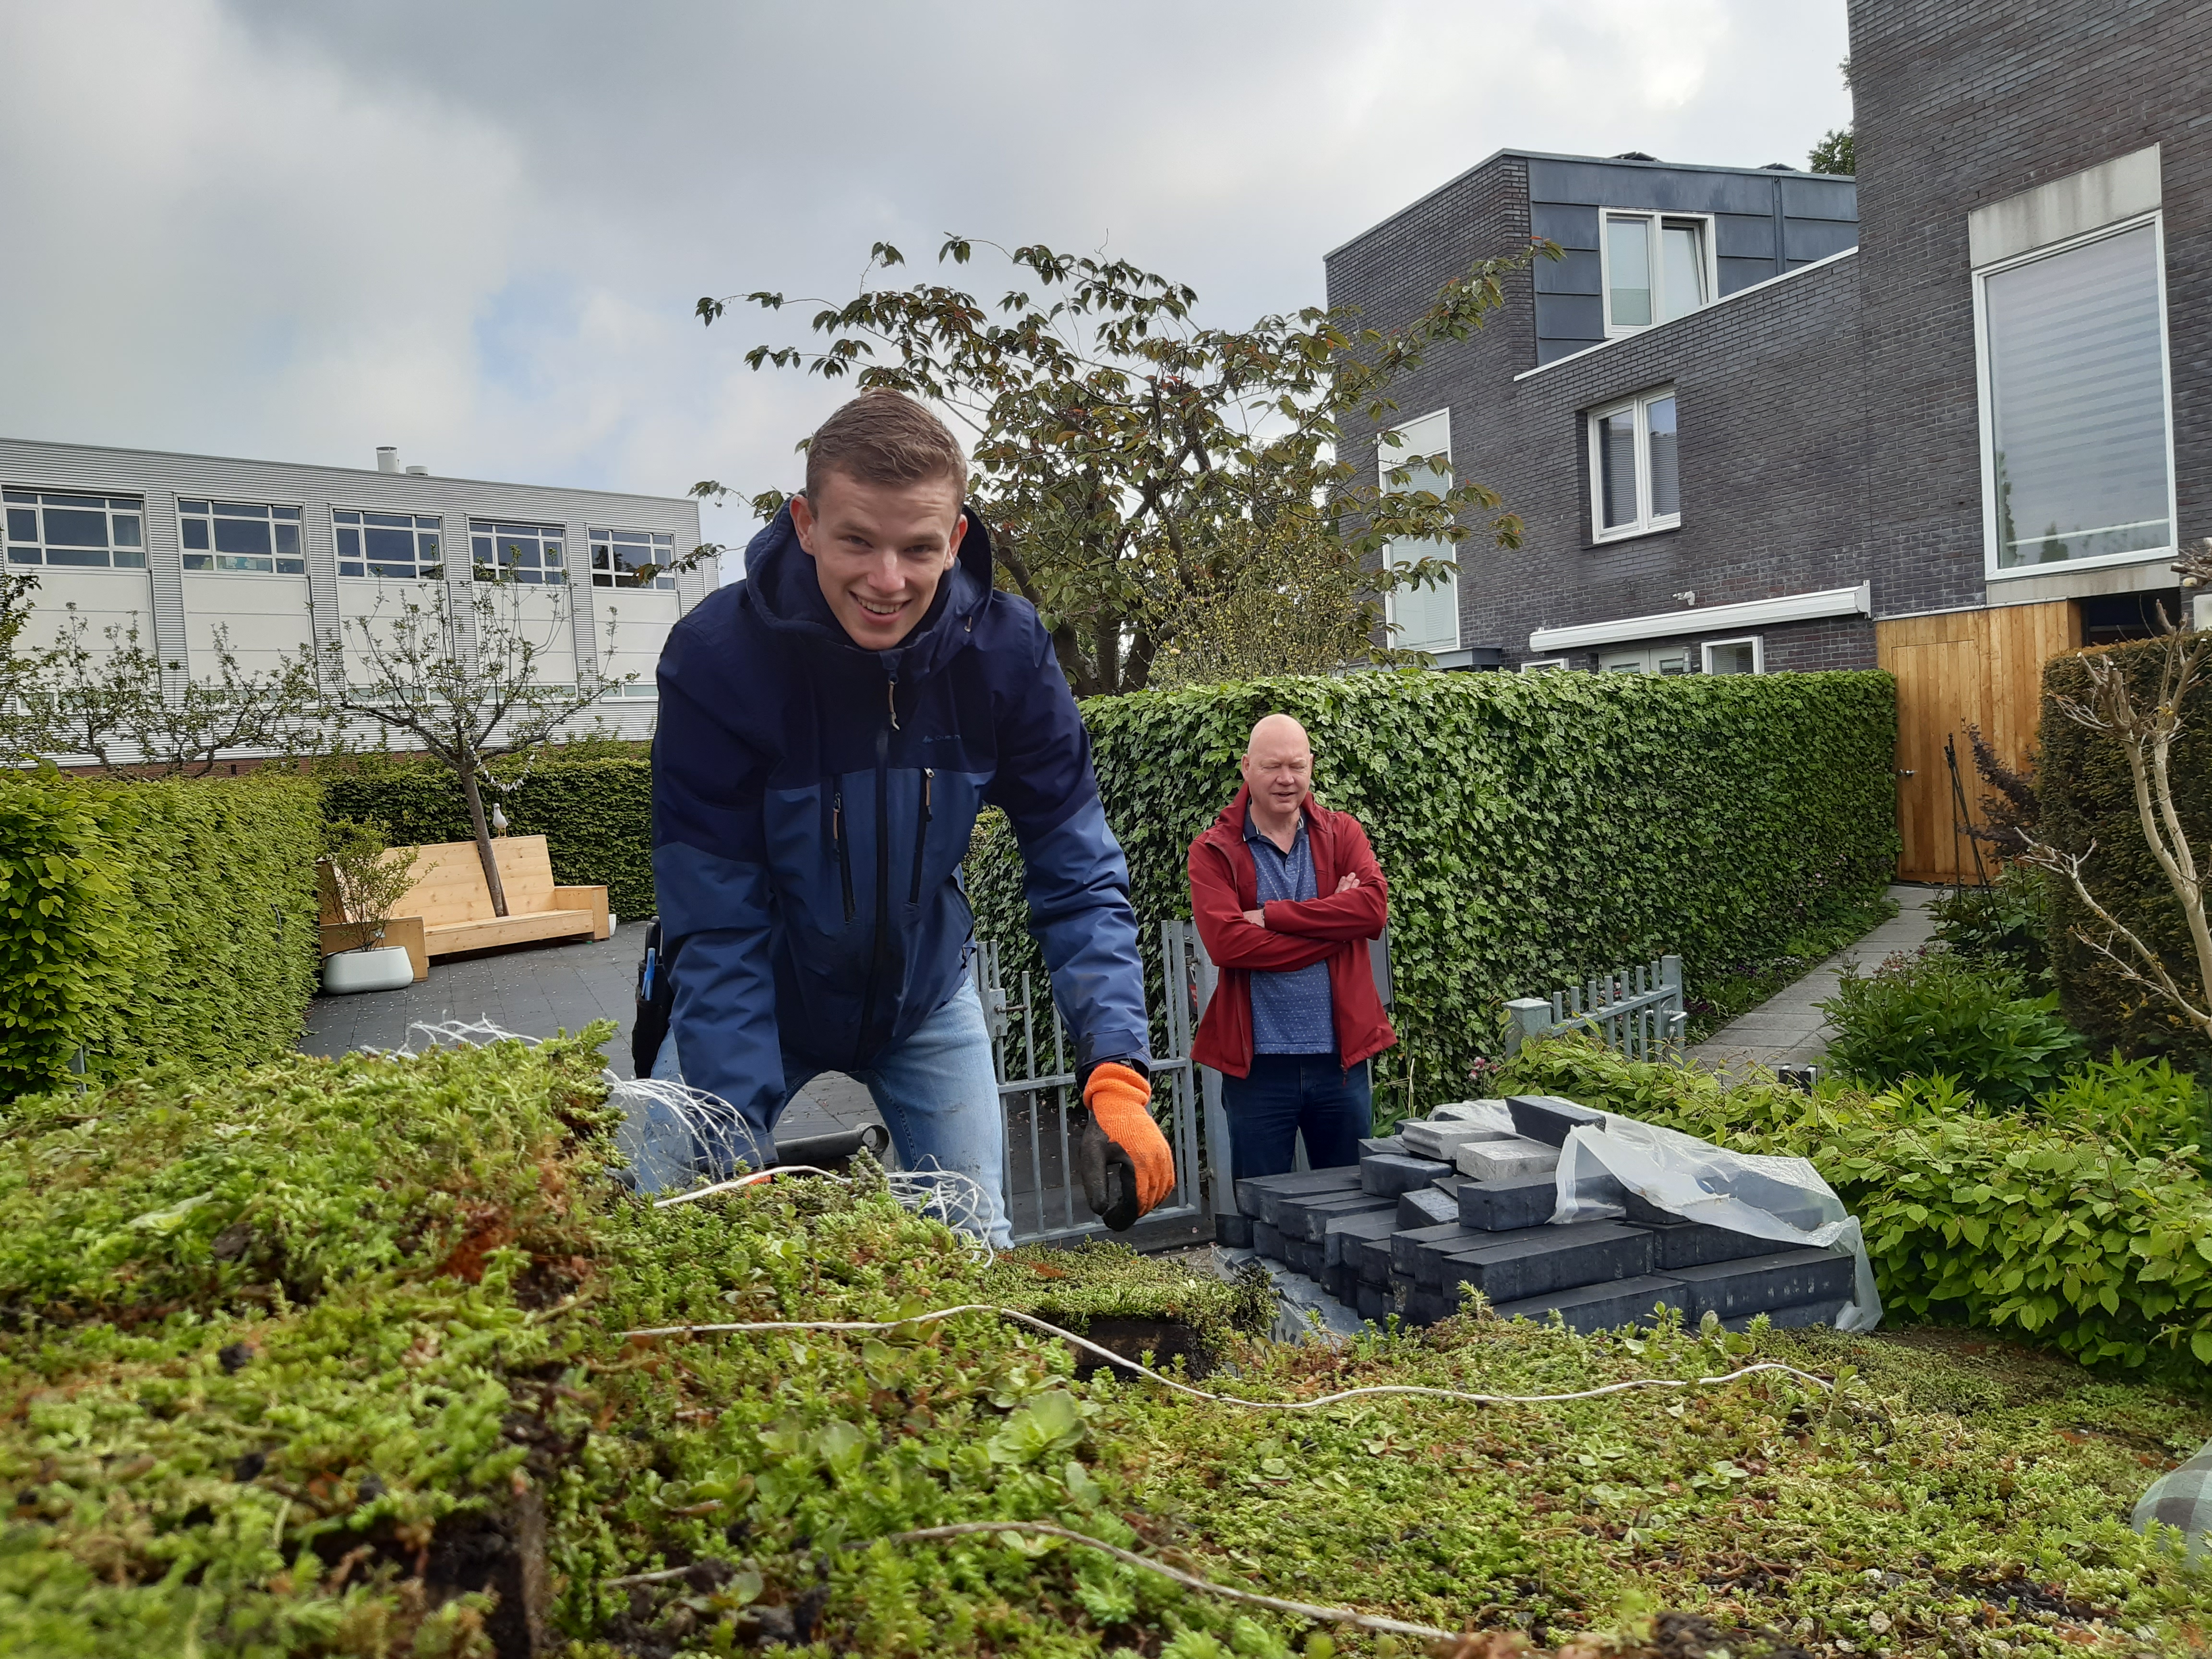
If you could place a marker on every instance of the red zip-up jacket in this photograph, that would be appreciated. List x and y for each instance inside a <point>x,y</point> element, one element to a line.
<point>1333,927</point>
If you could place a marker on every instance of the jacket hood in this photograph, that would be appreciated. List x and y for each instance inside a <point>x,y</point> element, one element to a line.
<point>781,589</point>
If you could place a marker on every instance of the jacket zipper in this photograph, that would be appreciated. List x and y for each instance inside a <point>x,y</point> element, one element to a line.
<point>921,834</point>
<point>844,854</point>
<point>883,877</point>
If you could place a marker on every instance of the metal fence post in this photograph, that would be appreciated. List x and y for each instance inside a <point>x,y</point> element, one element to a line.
<point>1531,1018</point>
<point>1221,1188</point>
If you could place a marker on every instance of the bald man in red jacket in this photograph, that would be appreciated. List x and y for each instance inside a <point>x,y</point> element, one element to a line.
<point>1287,895</point>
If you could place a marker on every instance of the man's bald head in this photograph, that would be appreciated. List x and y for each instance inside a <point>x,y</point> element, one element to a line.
<point>1277,768</point>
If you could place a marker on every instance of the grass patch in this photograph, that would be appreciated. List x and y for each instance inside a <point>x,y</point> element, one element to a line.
<point>330,1358</point>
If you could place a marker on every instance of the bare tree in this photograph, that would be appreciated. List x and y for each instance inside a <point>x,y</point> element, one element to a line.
<point>72,698</point>
<point>466,683</point>
<point>2145,730</point>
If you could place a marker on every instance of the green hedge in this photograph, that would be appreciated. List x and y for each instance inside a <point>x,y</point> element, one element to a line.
<point>2070,1239</point>
<point>2086,795</point>
<point>1534,828</point>
<point>153,921</point>
<point>596,816</point>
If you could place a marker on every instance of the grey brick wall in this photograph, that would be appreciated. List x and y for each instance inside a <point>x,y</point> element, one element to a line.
<point>1773,435</point>
<point>1962,104</point>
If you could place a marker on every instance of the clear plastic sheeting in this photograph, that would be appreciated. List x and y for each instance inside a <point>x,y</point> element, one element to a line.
<point>1485,1114</point>
<point>1783,1199</point>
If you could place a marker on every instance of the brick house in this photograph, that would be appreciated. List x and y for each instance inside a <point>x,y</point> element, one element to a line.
<point>1947,418</point>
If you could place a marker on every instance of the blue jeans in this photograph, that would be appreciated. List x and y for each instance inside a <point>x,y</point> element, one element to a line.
<point>937,1094</point>
<point>1285,1094</point>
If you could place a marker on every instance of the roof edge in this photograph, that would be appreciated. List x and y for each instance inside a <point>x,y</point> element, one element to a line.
<point>1556,155</point>
<point>365,471</point>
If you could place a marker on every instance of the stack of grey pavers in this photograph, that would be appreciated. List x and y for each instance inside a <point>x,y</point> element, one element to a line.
<point>1451,1202</point>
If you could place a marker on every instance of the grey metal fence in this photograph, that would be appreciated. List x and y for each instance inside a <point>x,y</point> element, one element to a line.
<point>1637,1010</point>
<point>1035,1062</point>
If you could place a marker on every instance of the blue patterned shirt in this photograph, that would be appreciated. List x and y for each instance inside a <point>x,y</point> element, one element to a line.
<point>1291,1012</point>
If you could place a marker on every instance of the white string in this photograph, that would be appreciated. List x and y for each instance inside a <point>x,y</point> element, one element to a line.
<point>1372,1391</point>
<point>950,1195</point>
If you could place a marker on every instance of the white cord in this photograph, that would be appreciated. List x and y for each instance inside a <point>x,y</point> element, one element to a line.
<point>1370,1392</point>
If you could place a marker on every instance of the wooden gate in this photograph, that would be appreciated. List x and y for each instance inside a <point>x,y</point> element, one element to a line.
<point>1983,668</point>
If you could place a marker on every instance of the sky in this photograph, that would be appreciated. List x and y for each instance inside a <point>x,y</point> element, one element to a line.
<point>477,231</point>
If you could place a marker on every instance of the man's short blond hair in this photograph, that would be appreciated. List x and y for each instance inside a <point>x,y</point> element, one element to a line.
<point>884,437</point>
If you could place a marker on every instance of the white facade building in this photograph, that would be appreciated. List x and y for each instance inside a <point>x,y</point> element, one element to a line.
<point>282,556</point>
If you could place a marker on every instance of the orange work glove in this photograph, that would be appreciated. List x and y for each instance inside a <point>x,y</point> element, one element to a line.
<point>1124,1160</point>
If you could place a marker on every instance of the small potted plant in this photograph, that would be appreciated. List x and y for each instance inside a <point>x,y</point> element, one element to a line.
<point>369,879</point>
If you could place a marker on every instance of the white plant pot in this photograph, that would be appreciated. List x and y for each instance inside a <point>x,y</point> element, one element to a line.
<point>384,969</point>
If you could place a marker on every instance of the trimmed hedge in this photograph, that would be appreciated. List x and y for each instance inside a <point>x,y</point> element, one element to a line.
<point>596,816</point>
<point>1534,828</point>
<point>2086,795</point>
<point>2070,1239</point>
<point>153,921</point>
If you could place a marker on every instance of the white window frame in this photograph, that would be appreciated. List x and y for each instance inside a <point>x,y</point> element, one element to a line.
<point>1756,641</point>
<point>1991,569</point>
<point>1646,522</point>
<point>1544,666</point>
<point>115,556</point>
<point>208,518</point>
<point>1615,330</point>
<point>601,538</point>
<point>553,575</point>
<point>445,547</point>
<point>1389,460</point>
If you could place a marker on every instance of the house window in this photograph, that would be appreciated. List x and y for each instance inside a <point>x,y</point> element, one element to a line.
<point>1734,657</point>
<point>396,545</point>
<point>1657,267</point>
<point>1544,666</point>
<point>517,552</point>
<point>1668,659</point>
<point>241,536</point>
<point>1635,478</point>
<point>54,528</point>
<point>632,558</point>
<point>2076,441</point>
<point>646,687</point>
<point>1423,618</point>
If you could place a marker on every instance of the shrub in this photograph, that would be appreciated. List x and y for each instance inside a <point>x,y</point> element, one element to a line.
<point>595,813</point>
<point>1938,1013</point>
<point>2144,1105</point>
<point>169,919</point>
<point>2072,1238</point>
<point>2006,923</point>
<point>1534,828</point>
<point>2087,796</point>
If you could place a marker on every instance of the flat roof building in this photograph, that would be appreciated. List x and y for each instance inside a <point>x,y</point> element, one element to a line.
<point>278,558</point>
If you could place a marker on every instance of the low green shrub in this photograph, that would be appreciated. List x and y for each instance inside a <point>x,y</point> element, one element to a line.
<point>595,811</point>
<point>2144,1105</point>
<point>2074,1239</point>
<point>2006,923</point>
<point>1939,1013</point>
<point>169,919</point>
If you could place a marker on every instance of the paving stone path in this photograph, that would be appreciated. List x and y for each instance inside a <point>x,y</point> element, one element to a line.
<point>1787,1028</point>
<point>539,990</point>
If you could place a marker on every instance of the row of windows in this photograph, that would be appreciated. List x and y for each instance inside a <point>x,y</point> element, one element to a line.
<point>54,528</point>
<point>1744,656</point>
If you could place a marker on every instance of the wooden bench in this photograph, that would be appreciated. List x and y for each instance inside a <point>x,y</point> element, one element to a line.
<point>448,910</point>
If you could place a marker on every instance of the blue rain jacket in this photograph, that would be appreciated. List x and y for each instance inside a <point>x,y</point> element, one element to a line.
<point>812,803</point>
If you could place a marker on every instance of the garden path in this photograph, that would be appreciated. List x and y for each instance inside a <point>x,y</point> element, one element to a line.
<point>1787,1028</point>
<point>536,991</point>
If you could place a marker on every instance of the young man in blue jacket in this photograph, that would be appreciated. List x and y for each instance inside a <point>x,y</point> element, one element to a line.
<point>828,729</point>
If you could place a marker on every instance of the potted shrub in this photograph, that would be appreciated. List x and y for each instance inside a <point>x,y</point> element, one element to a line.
<point>369,879</point>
